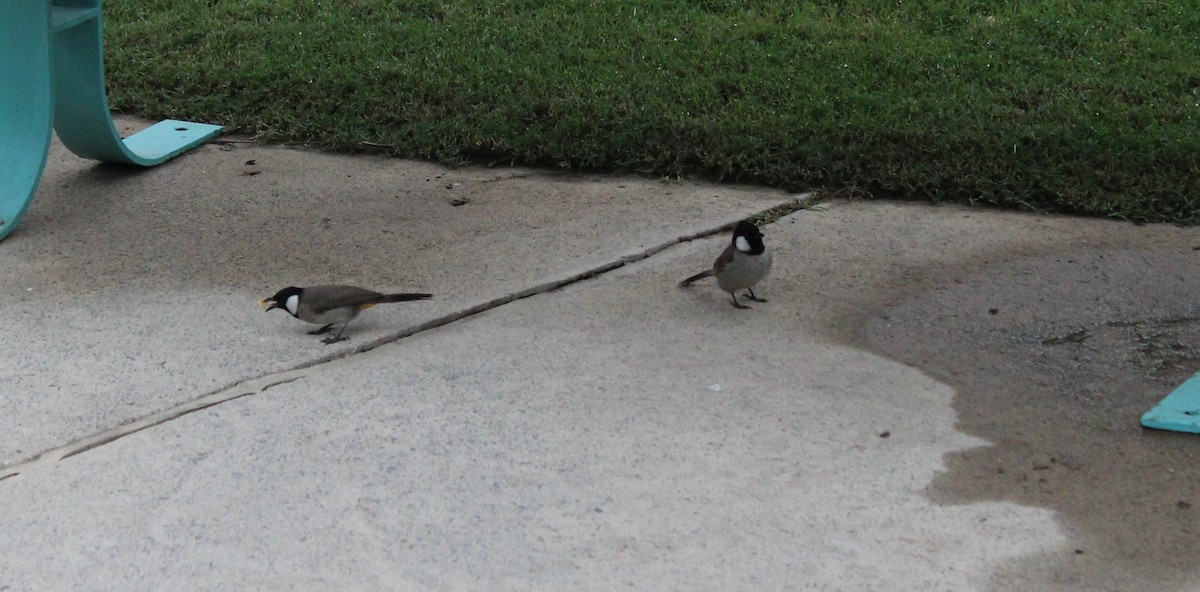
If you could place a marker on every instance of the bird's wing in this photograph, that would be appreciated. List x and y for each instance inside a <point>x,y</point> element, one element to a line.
<point>331,297</point>
<point>724,260</point>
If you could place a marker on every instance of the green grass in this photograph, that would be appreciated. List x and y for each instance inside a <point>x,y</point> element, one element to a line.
<point>1076,106</point>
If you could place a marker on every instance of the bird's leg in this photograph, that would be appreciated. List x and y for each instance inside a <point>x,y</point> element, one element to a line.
<point>753,297</point>
<point>324,329</point>
<point>737,304</point>
<point>336,338</point>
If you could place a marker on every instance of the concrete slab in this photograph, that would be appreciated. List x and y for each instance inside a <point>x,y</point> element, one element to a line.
<point>617,433</point>
<point>127,291</point>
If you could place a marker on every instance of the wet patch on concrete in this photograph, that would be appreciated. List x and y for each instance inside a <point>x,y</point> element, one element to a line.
<point>1054,359</point>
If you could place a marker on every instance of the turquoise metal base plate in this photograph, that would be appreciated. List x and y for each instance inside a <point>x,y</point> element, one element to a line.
<point>168,138</point>
<point>1180,411</point>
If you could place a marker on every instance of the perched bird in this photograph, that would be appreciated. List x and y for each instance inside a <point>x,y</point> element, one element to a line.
<point>330,305</point>
<point>741,265</point>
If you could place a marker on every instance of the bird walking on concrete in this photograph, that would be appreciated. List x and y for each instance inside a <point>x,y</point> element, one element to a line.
<point>330,305</point>
<point>744,263</point>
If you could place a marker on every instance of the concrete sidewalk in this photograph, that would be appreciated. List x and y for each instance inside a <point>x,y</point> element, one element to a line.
<point>127,291</point>
<point>615,432</point>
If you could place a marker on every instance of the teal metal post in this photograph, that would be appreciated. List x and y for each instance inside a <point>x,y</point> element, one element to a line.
<point>52,73</point>
<point>25,101</point>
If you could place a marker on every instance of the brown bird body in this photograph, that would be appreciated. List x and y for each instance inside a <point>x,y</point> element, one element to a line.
<point>744,263</point>
<point>332,304</point>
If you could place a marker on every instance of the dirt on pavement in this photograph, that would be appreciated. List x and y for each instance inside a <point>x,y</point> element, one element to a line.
<point>1057,333</point>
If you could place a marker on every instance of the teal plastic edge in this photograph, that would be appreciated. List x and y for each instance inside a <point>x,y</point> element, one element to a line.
<point>1179,411</point>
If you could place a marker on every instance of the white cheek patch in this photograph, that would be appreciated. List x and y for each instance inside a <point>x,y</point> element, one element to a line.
<point>742,244</point>
<point>292,302</point>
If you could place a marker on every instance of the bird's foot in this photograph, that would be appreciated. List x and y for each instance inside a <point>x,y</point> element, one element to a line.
<point>324,329</point>
<point>751,296</point>
<point>739,305</point>
<point>333,340</point>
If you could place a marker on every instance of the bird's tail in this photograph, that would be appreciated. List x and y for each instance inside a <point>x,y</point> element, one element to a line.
<point>697,277</point>
<point>404,297</point>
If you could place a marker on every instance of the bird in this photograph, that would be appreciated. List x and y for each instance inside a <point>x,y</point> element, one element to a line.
<point>742,264</point>
<point>330,305</point>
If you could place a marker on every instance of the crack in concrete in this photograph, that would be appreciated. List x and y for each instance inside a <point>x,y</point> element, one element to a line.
<point>245,388</point>
<point>258,385</point>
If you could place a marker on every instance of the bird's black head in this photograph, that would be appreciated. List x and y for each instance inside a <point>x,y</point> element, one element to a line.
<point>280,300</point>
<point>748,239</point>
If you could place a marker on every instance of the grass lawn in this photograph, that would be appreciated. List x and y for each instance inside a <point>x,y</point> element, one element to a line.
<point>1088,107</point>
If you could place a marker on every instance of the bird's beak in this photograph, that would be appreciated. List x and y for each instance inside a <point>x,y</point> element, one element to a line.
<point>268,304</point>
